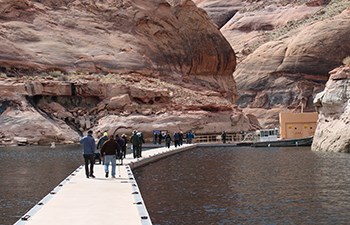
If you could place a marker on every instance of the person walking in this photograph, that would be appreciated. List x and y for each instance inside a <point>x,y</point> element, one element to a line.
<point>89,146</point>
<point>100,143</point>
<point>167,140</point>
<point>189,137</point>
<point>223,137</point>
<point>176,139</point>
<point>109,151</point>
<point>181,137</point>
<point>155,136</point>
<point>124,147</point>
<point>135,143</point>
<point>102,140</point>
<point>120,142</point>
<point>141,141</point>
<point>160,137</point>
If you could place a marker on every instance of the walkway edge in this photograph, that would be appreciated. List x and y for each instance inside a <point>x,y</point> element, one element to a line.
<point>159,155</point>
<point>51,203</point>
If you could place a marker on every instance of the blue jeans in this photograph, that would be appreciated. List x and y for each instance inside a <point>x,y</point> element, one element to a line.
<point>110,159</point>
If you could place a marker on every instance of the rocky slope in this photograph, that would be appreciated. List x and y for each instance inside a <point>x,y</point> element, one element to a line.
<point>332,133</point>
<point>69,65</point>
<point>285,50</point>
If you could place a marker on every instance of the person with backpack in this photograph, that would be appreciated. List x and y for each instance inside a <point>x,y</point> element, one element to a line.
<point>100,143</point>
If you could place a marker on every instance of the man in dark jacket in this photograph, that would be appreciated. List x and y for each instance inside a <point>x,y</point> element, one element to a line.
<point>123,148</point>
<point>89,146</point>
<point>109,151</point>
<point>141,141</point>
<point>176,139</point>
<point>223,137</point>
<point>120,142</point>
<point>135,143</point>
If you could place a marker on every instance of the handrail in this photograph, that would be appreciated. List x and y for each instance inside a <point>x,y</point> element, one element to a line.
<point>230,137</point>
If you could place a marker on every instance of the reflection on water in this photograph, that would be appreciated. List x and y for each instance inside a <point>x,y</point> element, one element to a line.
<point>29,173</point>
<point>248,186</point>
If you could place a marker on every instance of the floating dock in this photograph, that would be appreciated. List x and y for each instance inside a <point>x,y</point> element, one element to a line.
<point>114,201</point>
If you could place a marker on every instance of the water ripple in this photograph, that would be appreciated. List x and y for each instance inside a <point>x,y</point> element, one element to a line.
<point>248,186</point>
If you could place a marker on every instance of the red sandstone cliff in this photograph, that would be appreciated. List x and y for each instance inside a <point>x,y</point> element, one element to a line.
<point>285,50</point>
<point>148,37</point>
<point>68,66</point>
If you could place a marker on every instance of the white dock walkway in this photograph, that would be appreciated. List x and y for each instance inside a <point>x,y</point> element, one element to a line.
<point>113,201</point>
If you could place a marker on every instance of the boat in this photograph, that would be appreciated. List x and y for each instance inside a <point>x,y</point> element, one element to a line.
<point>296,129</point>
<point>307,141</point>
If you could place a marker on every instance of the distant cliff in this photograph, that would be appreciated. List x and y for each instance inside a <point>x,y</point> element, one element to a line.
<point>285,50</point>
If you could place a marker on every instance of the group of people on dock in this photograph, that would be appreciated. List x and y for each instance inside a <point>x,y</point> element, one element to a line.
<point>177,138</point>
<point>110,148</point>
<point>137,140</point>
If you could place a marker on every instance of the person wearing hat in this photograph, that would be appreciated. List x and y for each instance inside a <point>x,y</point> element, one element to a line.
<point>100,143</point>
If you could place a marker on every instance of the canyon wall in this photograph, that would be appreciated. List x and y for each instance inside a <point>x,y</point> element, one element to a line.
<point>284,49</point>
<point>333,128</point>
<point>68,66</point>
<point>147,37</point>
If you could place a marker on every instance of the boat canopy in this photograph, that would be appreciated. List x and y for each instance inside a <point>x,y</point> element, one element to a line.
<point>268,134</point>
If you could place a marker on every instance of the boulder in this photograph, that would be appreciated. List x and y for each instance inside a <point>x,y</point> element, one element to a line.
<point>333,131</point>
<point>54,108</point>
<point>118,102</point>
<point>25,125</point>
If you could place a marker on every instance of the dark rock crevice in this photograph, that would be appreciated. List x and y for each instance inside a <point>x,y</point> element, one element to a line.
<point>5,104</point>
<point>33,101</point>
<point>224,17</point>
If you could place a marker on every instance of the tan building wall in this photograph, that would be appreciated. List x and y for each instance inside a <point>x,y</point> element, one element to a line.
<point>297,125</point>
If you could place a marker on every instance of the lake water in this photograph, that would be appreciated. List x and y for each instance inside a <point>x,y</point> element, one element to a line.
<point>239,185</point>
<point>246,185</point>
<point>27,174</point>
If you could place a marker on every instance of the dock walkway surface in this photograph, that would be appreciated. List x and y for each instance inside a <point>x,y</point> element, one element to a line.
<point>113,201</point>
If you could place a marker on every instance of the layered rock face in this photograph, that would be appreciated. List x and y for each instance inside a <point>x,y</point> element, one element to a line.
<point>117,36</point>
<point>333,128</point>
<point>68,66</point>
<point>285,50</point>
